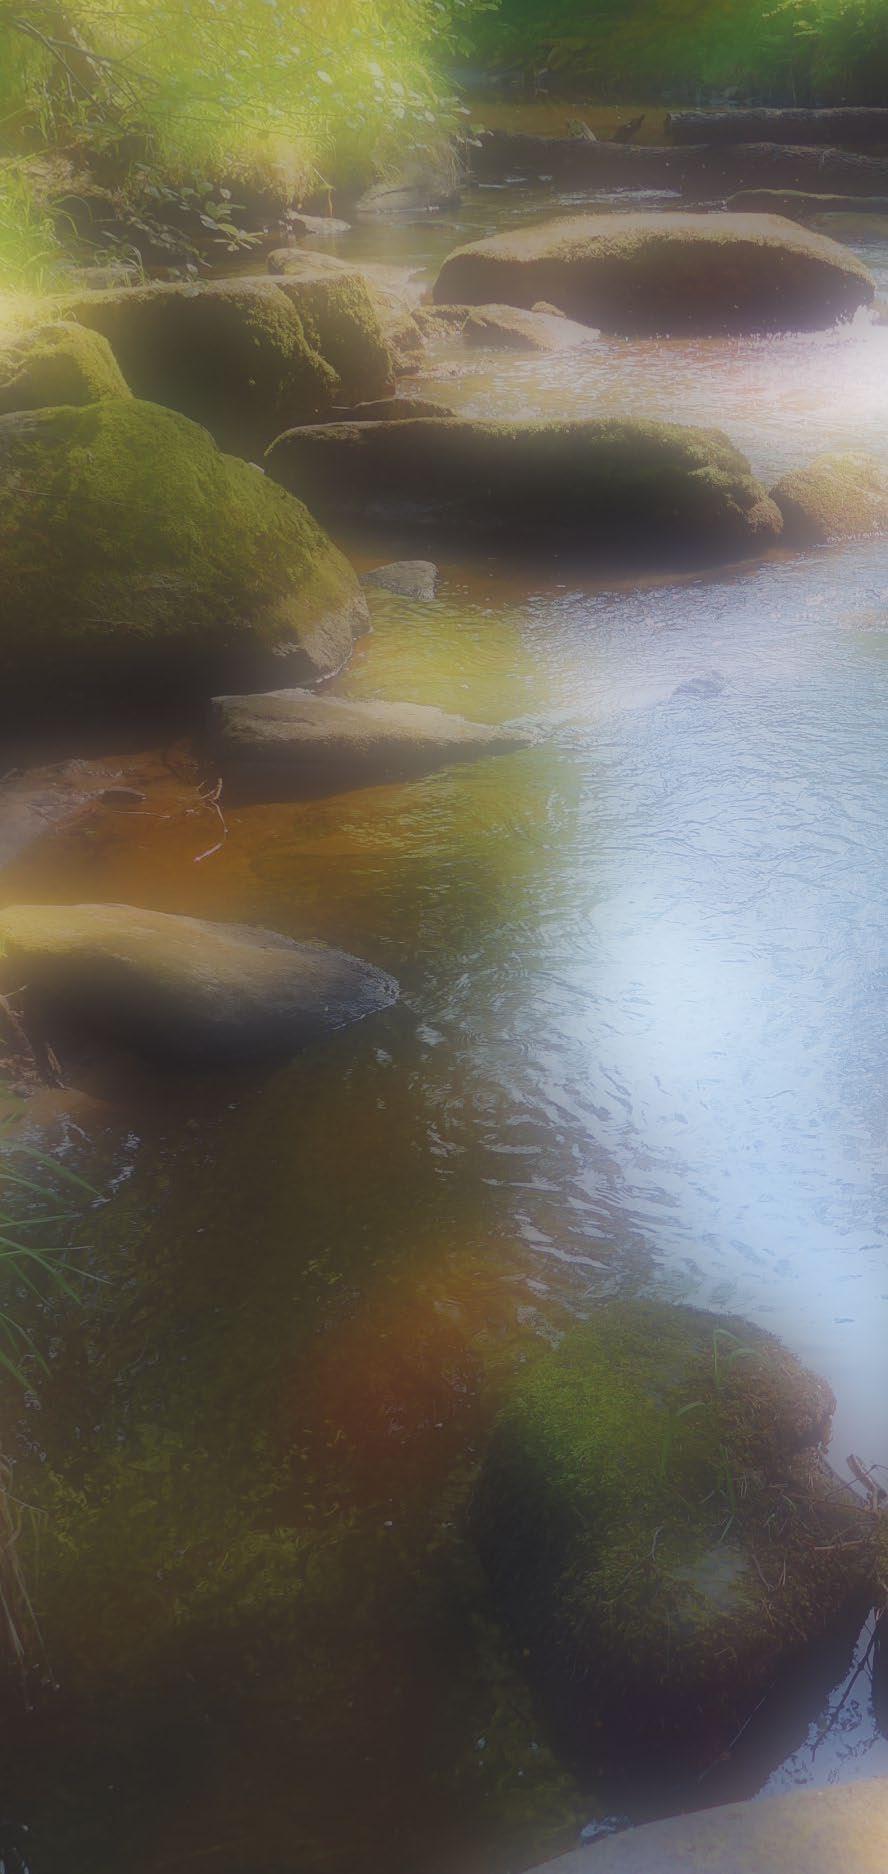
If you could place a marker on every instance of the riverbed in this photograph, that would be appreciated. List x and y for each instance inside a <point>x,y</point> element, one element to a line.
<point>640,1050</point>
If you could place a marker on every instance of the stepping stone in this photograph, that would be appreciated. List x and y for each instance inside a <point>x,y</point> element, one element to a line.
<point>182,988</point>
<point>291,742</point>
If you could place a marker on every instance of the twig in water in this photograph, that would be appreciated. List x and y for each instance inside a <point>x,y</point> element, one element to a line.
<point>210,798</point>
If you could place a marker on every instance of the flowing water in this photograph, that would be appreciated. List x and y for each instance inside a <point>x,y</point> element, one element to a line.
<point>640,1049</point>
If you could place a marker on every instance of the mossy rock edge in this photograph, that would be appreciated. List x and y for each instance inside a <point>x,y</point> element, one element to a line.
<point>233,355</point>
<point>662,1532</point>
<point>140,564</point>
<point>611,491</point>
<point>60,363</point>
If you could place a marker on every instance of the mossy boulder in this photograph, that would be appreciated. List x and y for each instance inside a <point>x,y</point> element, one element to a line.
<point>182,988</point>
<point>56,364</point>
<point>386,287</point>
<point>648,274</point>
<point>609,491</point>
<point>232,355</point>
<point>342,322</point>
<point>835,497</point>
<point>140,564</point>
<point>289,743</point>
<point>661,1530</point>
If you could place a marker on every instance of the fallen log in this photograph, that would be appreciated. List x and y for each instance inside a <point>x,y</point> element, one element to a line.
<point>712,174</point>
<point>853,127</point>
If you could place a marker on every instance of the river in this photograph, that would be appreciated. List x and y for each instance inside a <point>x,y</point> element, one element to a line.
<point>640,1049</point>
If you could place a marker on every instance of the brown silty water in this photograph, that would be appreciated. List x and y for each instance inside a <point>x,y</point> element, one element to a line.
<point>640,1050</point>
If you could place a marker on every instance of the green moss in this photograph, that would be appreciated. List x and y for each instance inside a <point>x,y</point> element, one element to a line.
<point>58,364</point>
<point>835,497</point>
<point>607,489</point>
<point>341,322</point>
<point>133,550</point>
<point>231,355</point>
<point>657,1521</point>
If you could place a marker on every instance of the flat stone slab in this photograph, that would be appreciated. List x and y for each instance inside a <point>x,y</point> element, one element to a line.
<point>841,1830</point>
<point>510,328</point>
<point>291,742</point>
<point>184,988</point>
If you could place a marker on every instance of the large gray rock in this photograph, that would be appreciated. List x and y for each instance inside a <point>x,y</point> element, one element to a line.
<point>608,491</point>
<point>809,1831</point>
<point>141,565</point>
<point>835,497</point>
<point>182,988</point>
<point>290,742</point>
<point>665,273</point>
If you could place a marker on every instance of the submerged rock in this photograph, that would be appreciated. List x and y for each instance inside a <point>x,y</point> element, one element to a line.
<point>55,364</point>
<point>808,1831</point>
<point>232,355</point>
<point>141,565</point>
<point>509,328</point>
<point>409,579</point>
<point>711,684</point>
<point>290,742</point>
<point>835,497</point>
<point>666,273</point>
<point>182,988</point>
<point>661,1530</point>
<point>610,491</point>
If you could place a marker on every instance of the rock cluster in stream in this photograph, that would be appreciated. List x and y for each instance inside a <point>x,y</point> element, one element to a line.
<point>657,1522</point>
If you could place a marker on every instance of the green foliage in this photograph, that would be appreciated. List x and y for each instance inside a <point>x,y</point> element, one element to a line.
<point>27,238</point>
<point>788,50</point>
<point>223,81</point>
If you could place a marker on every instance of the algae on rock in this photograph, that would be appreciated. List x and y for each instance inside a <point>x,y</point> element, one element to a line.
<point>603,489</point>
<point>57,364</point>
<point>661,1530</point>
<point>230,354</point>
<point>140,562</point>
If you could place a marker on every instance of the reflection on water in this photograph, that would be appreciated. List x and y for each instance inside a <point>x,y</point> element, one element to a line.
<point>642,1044</point>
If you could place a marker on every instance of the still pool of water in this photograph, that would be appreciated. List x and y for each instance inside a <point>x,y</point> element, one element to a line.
<point>641,1049</point>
